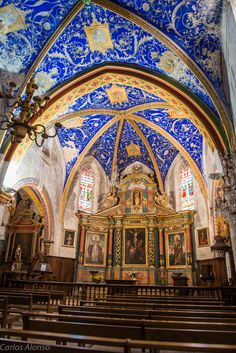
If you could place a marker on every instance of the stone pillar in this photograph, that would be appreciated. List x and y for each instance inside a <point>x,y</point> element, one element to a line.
<point>110,246</point>
<point>188,244</point>
<point>118,248</point>
<point>81,249</point>
<point>161,249</point>
<point>33,247</point>
<point>151,251</point>
<point>8,245</point>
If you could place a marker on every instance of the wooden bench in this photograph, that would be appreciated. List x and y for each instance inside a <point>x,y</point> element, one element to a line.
<point>18,302</point>
<point>167,323</point>
<point>154,306</point>
<point>65,309</point>
<point>6,318</point>
<point>147,316</point>
<point>124,345</point>
<point>132,332</point>
<point>174,300</point>
<point>11,344</point>
<point>38,300</point>
<point>55,296</point>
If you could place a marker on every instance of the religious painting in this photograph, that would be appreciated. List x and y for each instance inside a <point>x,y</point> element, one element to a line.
<point>203,237</point>
<point>175,250</point>
<point>25,243</point>
<point>95,249</point>
<point>134,246</point>
<point>69,238</point>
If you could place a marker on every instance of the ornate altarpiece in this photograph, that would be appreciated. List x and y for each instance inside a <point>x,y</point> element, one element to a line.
<point>140,231</point>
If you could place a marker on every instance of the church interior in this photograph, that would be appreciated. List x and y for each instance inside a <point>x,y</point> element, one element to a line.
<point>118,175</point>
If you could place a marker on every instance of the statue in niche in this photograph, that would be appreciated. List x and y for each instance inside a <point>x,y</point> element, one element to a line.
<point>161,199</point>
<point>17,263</point>
<point>136,198</point>
<point>110,199</point>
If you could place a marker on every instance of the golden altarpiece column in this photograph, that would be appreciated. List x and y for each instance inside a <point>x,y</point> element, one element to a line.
<point>136,229</point>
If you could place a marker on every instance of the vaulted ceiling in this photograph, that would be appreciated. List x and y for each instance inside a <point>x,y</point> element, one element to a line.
<point>129,79</point>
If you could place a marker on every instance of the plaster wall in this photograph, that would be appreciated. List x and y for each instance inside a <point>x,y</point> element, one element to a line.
<point>203,217</point>
<point>45,167</point>
<point>70,219</point>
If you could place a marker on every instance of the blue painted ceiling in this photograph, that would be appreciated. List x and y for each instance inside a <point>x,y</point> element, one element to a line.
<point>193,25</point>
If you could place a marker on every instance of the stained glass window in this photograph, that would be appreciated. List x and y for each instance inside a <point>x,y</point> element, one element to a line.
<point>186,188</point>
<point>86,190</point>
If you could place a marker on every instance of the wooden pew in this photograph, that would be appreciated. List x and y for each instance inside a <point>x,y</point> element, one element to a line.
<point>146,316</point>
<point>174,300</point>
<point>3,311</point>
<point>11,344</point>
<point>132,332</point>
<point>35,300</point>
<point>167,323</point>
<point>124,344</point>
<point>6,318</point>
<point>147,312</point>
<point>57,296</point>
<point>154,306</point>
<point>17,303</point>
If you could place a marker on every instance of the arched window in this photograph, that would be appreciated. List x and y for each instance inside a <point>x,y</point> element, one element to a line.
<point>186,188</point>
<point>86,190</point>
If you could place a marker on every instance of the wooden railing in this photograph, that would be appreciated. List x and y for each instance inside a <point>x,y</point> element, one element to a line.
<point>75,291</point>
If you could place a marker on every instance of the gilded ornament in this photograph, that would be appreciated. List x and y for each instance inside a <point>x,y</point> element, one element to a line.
<point>98,36</point>
<point>168,61</point>
<point>133,150</point>
<point>117,94</point>
<point>12,19</point>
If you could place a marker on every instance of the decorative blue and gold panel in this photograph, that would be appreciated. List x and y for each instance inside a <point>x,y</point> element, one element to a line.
<point>164,152</point>
<point>124,158</point>
<point>74,140</point>
<point>103,149</point>
<point>25,26</point>
<point>99,98</point>
<point>72,53</point>
<point>193,25</point>
<point>183,130</point>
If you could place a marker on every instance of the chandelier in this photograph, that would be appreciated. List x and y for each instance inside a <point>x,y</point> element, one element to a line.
<point>19,115</point>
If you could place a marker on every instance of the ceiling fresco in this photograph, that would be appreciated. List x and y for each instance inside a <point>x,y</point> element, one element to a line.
<point>103,149</point>
<point>25,28</point>
<point>124,157</point>
<point>74,140</point>
<point>71,54</point>
<point>99,98</point>
<point>92,112</point>
<point>183,130</point>
<point>194,25</point>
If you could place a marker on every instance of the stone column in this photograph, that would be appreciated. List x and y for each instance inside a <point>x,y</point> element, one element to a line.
<point>33,247</point>
<point>118,248</point>
<point>151,251</point>
<point>81,252</point>
<point>161,249</point>
<point>110,246</point>
<point>188,244</point>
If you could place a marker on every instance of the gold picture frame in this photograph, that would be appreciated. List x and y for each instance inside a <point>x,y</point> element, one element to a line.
<point>176,255</point>
<point>135,247</point>
<point>69,238</point>
<point>95,249</point>
<point>203,237</point>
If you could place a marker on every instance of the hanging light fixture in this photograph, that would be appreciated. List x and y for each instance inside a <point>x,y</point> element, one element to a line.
<point>20,114</point>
